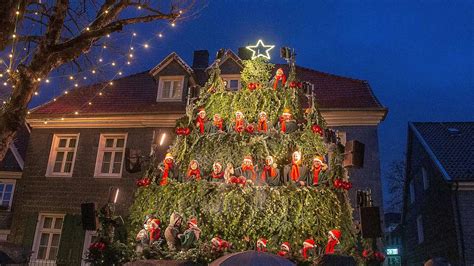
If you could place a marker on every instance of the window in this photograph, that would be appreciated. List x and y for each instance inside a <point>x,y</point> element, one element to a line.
<point>110,155</point>
<point>6,195</point>
<point>90,237</point>
<point>426,182</point>
<point>170,88</point>
<point>47,238</point>
<point>232,82</point>
<point>419,227</point>
<point>62,155</point>
<point>412,192</point>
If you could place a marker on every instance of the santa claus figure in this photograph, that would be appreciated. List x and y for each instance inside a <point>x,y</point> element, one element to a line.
<point>284,250</point>
<point>194,173</point>
<point>168,169</point>
<point>263,126</point>
<point>286,123</point>
<point>270,173</point>
<point>217,174</point>
<point>262,245</point>
<point>240,123</point>
<point>201,121</point>
<point>247,169</point>
<point>308,249</point>
<point>217,124</point>
<point>333,240</point>
<point>219,244</point>
<point>279,79</point>
<point>296,172</point>
<point>317,168</point>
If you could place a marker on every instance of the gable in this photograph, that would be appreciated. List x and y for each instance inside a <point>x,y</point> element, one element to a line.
<point>173,68</point>
<point>230,66</point>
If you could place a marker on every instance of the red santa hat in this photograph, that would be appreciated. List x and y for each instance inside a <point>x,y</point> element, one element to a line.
<point>336,234</point>
<point>309,243</point>
<point>217,164</point>
<point>239,113</point>
<point>262,242</point>
<point>262,113</point>
<point>285,246</point>
<point>201,110</point>
<point>193,222</point>
<point>248,158</point>
<point>319,158</point>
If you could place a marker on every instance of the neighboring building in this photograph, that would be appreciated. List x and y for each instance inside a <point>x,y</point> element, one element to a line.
<point>75,157</point>
<point>11,168</point>
<point>438,209</point>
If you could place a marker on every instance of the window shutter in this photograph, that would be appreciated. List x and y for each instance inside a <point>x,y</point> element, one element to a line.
<point>72,241</point>
<point>29,230</point>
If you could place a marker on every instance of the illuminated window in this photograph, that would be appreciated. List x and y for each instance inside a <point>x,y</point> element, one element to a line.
<point>232,82</point>
<point>170,88</point>
<point>110,155</point>
<point>47,238</point>
<point>62,155</point>
<point>6,195</point>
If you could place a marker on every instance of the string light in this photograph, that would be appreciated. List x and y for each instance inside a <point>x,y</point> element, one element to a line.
<point>113,63</point>
<point>160,35</point>
<point>65,92</point>
<point>134,34</point>
<point>146,45</point>
<point>173,24</point>
<point>47,80</point>
<point>71,77</point>
<point>36,93</point>
<point>100,60</point>
<point>76,112</point>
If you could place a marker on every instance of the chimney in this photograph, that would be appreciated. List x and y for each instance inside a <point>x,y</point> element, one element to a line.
<point>201,59</point>
<point>244,53</point>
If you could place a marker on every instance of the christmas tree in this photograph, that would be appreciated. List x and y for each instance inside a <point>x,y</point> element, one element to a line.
<point>248,165</point>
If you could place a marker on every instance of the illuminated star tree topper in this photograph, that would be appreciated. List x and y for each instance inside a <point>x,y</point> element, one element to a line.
<point>260,50</point>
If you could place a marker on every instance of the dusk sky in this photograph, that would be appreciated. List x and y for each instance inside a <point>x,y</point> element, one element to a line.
<point>418,56</point>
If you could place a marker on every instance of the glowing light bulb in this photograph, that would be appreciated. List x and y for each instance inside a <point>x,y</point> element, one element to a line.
<point>111,83</point>
<point>71,77</point>
<point>130,55</point>
<point>88,29</point>
<point>76,85</point>
<point>65,92</point>
<point>100,60</point>
<point>17,12</point>
<point>108,35</point>
<point>128,62</point>
<point>54,99</point>
<point>76,112</point>
<point>14,36</point>
<point>146,45</point>
<point>93,71</point>
<point>113,63</point>
<point>28,112</point>
<point>36,93</point>
<point>100,93</point>
<point>120,73</point>
<point>90,103</point>
<point>160,35</point>
<point>134,34</point>
<point>105,46</point>
<point>5,84</point>
<point>62,118</point>
<point>173,24</point>
<point>47,80</point>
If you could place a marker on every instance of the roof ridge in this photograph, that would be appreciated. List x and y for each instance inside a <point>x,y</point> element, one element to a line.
<point>331,74</point>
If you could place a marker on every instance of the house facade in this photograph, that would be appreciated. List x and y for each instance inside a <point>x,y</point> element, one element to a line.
<point>77,150</point>
<point>439,193</point>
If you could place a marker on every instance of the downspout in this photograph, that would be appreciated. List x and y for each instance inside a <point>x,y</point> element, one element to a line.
<point>458,220</point>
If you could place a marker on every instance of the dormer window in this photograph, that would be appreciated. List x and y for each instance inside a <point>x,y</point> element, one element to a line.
<point>170,88</point>
<point>232,82</point>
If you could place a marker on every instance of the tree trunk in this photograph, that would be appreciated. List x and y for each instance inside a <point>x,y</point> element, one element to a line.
<point>13,114</point>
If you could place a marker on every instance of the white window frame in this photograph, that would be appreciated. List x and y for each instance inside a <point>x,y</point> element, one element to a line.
<point>54,150</point>
<point>412,191</point>
<point>100,155</point>
<point>229,77</point>
<point>426,181</point>
<point>87,242</point>
<point>39,230</point>
<point>8,182</point>
<point>163,79</point>
<point>419,229</point>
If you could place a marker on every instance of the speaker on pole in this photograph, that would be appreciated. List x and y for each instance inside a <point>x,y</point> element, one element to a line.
<point>370,222</point>
<point>89,217</point>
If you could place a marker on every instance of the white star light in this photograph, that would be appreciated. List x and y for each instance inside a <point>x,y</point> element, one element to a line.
<point>260,50</point>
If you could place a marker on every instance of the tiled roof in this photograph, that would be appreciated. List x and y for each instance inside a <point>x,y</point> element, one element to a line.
<point>334,91</point>
<point>137,94</point>
<point>452,143</point>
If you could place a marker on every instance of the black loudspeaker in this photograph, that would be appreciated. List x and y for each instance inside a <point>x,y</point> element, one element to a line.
<point>132,160</point>
<point>370,222</point>
<point>89,218</point>
<point>354,154</point>
<point>333,260</point>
